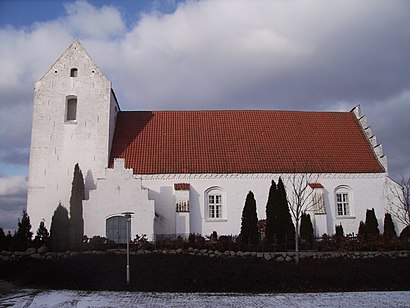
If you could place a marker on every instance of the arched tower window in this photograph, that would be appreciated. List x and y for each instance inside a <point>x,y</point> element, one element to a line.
<point>71,109</point>
<point>73,72</point>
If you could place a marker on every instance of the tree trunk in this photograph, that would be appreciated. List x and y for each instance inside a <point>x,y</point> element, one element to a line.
<point>297,242</point>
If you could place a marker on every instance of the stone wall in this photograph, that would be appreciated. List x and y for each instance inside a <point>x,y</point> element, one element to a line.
<point>43,253</point>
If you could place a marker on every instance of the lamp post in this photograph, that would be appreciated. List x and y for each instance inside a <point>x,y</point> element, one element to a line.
<point>127,216</point>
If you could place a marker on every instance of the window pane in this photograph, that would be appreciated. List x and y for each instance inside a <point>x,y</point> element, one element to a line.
<point>218,212</point>
<point>211,211</point>
<point>211,199</point>
<point>71,109</point>
<point>347,209</point>
<point>339,209</point>
<point>346,198</point>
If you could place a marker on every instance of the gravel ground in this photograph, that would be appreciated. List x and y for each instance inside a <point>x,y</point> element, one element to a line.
<point>64,298</point>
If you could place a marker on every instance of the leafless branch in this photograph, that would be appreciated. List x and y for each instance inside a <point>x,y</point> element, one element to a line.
<point>399,200</point>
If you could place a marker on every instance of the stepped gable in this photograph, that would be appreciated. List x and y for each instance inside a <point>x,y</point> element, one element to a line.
<point>242,141</point>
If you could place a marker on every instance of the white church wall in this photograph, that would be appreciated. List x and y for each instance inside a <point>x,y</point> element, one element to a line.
<point>366,193</point>
<point>118,192</point>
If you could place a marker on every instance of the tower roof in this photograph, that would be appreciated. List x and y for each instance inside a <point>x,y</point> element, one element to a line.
<point>75,56</point>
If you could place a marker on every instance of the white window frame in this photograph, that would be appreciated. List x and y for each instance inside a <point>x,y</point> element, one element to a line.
<point>215,204</point>
<point>344,205</point>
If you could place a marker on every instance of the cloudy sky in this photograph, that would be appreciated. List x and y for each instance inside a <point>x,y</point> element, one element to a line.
<point>293,55</point>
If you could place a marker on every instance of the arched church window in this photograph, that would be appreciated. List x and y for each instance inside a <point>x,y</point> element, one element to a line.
<point>344,201</point>
<point>71,109</point>
<point>73,72</point>
<point>215,204</point>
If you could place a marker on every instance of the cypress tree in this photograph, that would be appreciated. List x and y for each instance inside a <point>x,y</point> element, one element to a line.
<point>339,232</point>
<point>42,236</point>
<point>3,245</point>
<point>76,207</point>
<point>284,227</point>
<point>23,234</point>
<point>405,234</point>
<point>389,230</point>
<point>249,227</point>
<point>270,212</point>
<point>362,230</point>
<point>306,228</point>
<point>372,226</point>
<point>59,230</point>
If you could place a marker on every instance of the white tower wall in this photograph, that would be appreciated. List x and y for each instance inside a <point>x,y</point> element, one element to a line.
<point>57,144</point>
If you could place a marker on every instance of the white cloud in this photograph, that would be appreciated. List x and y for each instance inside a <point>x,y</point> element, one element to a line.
<point>13,186</point>
<point>13,199</point>
<point>222,54</point>
<point>85,20</point>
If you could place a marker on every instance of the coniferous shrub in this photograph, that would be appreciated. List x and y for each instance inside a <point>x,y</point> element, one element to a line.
<point>76,207</point>
<point>271,213</point>
<point>306,228</point>
<point>285,229</point>
<point>339,232</point>
<point>362,230</point>
<point>9,241</point>
<point>59,230</point>
<point>280,229</point>
<point>405,234</point>
<point>389,230</point>
<point>98,243</point>
<point>23,236</point>
<point>2,240</point>
<point>42,235</point>
<point>372,226</point>
<point>249,226</point>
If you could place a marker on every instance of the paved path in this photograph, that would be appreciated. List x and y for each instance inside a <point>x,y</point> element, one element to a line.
<point>36,298</point>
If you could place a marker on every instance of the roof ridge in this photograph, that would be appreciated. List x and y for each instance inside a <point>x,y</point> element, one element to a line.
<point>237,110</point>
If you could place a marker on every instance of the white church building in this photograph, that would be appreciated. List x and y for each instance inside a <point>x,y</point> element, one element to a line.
<point>183,172</point>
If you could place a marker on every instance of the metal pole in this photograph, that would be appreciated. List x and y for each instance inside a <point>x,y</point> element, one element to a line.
<point>127,216</point>
<point>128,250</point>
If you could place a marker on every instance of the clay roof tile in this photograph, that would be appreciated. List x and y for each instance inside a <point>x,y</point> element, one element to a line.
<point>241,141</point>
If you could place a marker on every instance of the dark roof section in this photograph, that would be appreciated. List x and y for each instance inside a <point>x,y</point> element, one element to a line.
<point>242,141</point>
<point>315,185</point>
<point>182,186</point>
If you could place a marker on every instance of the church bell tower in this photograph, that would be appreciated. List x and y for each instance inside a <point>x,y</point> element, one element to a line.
<point>74,116</point>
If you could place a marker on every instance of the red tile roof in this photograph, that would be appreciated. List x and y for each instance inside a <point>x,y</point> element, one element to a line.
<point>315,185</point>
<point>240,141</point>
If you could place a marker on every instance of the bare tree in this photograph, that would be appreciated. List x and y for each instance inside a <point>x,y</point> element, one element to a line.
<point>399,200</point>
<point>300,200</point>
